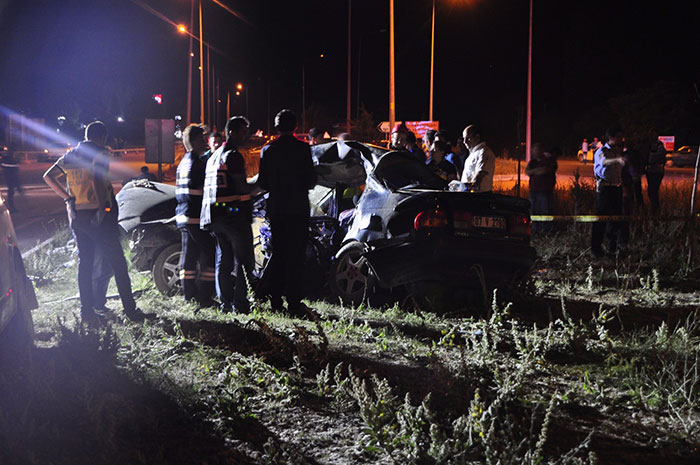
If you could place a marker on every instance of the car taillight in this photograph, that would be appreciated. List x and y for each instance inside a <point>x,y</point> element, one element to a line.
<point>430,219</point>
<point>520,225</point>
<point>462,219</point>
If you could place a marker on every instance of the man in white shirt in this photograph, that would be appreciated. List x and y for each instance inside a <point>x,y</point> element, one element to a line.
<point>480,164</point>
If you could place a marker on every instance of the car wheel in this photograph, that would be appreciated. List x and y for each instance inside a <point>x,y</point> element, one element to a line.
<point>351,279</point>
<point>166,270</point>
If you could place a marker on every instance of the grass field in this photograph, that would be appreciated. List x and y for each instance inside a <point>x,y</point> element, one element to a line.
<point>588,362</point>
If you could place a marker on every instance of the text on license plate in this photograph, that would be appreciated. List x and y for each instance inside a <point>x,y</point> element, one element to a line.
<point>492,222</point>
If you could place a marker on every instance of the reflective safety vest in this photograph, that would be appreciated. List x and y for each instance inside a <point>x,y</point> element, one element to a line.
<point>189,189</point>
<point>220,197</point>
<point>86,168</point>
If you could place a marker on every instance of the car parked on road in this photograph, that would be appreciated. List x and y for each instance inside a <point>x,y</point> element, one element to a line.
<point>684,156</point>
<point>17,298</point>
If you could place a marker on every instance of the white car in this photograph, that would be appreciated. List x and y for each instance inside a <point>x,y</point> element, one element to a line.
<point>17,298</point>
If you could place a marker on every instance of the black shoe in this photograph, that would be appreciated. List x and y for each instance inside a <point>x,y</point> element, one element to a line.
<point>226,308</point>
<point>135,315</point>
<point>91,317</point>
<point>276,304</point>
<point>300,310</point>
<point>597,253</point>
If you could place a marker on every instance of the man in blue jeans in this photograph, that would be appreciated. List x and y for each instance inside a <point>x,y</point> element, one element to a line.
<point>93,218</point>
<point>608,163</point>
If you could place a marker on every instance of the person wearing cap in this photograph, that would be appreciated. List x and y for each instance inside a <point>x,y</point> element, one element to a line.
<point>399,136</point>
<point>287,173</point>
<point>315,136</point>
<point>227,213</point>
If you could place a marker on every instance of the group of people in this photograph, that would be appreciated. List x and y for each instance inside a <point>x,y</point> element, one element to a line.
<point>214,214</point>
<point>618,170</point>
<point>471,171</point>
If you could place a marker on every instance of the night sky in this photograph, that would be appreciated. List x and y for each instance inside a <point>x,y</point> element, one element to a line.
<point>102,59</point>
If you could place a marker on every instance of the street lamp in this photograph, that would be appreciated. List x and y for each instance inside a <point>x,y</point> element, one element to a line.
<point>239,89</point>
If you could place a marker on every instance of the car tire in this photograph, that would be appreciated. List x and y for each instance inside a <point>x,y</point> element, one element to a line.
<point>350,278</point>
<point>166,270</point>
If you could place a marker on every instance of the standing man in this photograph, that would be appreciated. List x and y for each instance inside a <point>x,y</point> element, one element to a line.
<point>481,162</point>
<point>458,156</point>
<point>214,141</point>
<point>92,212</point>
<point>584,150</point>
<point>608,165</point>
<point>287,173</point>
<point>197,246</point>
<point>655,169</point>
<point>10,173</point>
<point>542,170</point>
<point>227,213</point>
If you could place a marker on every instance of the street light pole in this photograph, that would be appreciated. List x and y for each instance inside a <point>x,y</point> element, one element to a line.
<point>392,89</point>
<point>189,68</point>
<point>432,64</point>
<point>528,130</point>
<point>201,68</point>
<point>347,112</point>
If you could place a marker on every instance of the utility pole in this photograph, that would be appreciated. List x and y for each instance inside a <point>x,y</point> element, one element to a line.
<point>189,68</point>
<point>432,64</point>
<point>201,68</point>
<point>392,89</point>
<point>528,129</point>
<point>347,112</point>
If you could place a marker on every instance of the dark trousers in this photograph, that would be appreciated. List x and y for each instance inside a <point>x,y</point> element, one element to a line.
<point>608,202</point>
<point>12,181</point>
<point>290,235</point>
<point>541,204</point>
<point>653,186</point>
<point>234,239</point>
<point>198,247</point>
<point>102,273</point>
<point>100,235</point>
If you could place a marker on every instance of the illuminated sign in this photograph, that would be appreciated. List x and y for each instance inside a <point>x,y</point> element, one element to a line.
<point>669,142</point>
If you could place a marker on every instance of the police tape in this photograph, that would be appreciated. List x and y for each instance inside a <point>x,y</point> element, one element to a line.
<point>596,218</point>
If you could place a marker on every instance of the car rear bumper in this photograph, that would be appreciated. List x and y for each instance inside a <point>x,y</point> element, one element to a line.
<point>451,259</point>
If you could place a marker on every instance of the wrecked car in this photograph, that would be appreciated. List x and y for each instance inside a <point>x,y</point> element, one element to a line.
<point>17,298</point>
<point>407,229</point>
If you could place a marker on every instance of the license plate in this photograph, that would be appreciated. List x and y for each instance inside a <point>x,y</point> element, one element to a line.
<point>489,222</point>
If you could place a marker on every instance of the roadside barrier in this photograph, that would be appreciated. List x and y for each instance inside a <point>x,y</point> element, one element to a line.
<point>595,218</point>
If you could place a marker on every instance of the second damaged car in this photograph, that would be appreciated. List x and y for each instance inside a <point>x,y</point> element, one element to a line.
<point>407,230</point>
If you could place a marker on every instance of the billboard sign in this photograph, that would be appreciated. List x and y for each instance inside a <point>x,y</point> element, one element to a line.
<point>419,128</point>
<point>669,142</point>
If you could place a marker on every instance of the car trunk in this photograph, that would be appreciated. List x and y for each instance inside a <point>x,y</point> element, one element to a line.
<point>454,234</point>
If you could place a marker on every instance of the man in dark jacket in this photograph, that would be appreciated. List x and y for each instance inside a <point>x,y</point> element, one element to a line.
<point>656,160</point>
<point>287,173</point>
<point>227,213</point>
<point>197,246</point>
